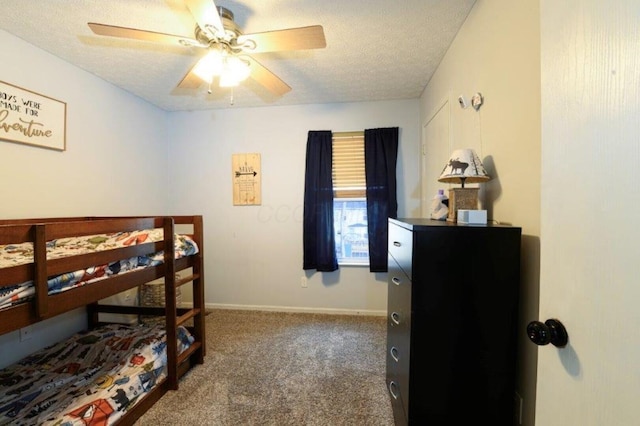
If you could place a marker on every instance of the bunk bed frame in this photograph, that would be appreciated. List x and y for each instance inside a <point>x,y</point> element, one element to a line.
<point>44,306</point>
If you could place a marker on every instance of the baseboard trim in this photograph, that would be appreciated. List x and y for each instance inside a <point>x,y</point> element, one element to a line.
<point>296,309</point>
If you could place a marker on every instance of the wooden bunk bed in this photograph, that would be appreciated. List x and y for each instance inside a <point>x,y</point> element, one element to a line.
<point>38,277</point>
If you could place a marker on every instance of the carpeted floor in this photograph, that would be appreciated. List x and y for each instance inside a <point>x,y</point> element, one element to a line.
<point>274,368</point>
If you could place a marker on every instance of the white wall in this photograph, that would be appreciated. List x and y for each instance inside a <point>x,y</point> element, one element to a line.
<point>254,253</point>
<point>497,53</point>
<point>115,162</point>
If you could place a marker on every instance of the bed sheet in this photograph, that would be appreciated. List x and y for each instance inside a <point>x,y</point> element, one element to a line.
<point>93,378</point>
<point>18,254</point>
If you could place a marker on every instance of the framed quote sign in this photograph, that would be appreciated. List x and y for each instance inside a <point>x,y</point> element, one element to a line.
<point>31,118</point>
<point>246,176</point>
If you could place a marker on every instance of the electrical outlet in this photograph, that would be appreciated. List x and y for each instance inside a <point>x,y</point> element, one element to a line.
<point>25,333</point>
<point>303,282</point>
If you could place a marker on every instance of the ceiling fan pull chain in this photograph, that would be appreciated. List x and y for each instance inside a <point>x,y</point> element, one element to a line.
<point>209,90</point>
<point>231,101</point>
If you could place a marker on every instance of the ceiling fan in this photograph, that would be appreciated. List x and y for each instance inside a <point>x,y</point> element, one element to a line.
<point>225,49</point>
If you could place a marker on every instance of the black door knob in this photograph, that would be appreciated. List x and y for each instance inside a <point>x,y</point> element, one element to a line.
<point>551,331</point>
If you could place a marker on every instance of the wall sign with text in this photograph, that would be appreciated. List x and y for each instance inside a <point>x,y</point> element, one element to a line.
<point>247,176</point>
<point>31,118</point>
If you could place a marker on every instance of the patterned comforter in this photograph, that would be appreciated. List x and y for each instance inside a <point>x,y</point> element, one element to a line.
<point>91,379</point>
<point>19,254</point>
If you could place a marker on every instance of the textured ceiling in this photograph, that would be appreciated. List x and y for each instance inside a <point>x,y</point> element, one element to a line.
<point>376,50</point>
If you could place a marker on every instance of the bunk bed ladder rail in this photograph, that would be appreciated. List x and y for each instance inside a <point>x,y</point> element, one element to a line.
<point>197,283</point>
<point>196,352</point>
<point>171,308</point>
<point>40,270</point>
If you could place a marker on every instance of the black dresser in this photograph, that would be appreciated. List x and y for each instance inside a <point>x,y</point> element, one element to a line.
<point>452,314</point>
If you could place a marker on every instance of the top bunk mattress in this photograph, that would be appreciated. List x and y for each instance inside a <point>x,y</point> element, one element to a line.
<point>23,253</point>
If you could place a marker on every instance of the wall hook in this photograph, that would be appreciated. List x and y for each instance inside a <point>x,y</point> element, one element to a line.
<point>476,101</point>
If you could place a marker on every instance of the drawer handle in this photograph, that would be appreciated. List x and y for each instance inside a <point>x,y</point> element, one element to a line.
<point>394,353</point>
<point>395,317</point>
<point>396,280</point>
<point>397,244</point>
<point>392,387</point>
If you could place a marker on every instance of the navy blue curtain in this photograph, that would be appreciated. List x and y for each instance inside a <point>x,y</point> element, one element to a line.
<point>380,155</point>
<point>319,246</point>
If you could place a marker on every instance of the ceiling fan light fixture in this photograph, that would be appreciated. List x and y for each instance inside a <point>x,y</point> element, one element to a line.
<point>232,70</point>
<point>237,67</point>
<point>211,65</point>
<point>228,80</point>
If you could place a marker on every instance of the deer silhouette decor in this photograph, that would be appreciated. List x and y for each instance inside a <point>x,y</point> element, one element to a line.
<point>463,165</point>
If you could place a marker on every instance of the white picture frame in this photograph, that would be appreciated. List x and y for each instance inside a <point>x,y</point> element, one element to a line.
<point>30,118</point>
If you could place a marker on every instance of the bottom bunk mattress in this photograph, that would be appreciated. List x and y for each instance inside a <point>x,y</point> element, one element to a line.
<point>92,378</point>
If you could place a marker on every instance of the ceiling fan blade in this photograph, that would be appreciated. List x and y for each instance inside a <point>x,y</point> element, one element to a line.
<point>289,39</point>
<point>114,31</point>
<point>206,14</point>
<point>190,81</point>
<point>269,80</point>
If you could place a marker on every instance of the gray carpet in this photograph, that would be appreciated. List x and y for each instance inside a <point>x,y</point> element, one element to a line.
<point>273,368</point>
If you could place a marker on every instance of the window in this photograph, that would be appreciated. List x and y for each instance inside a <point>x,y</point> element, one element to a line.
<point>350,202</point>
<point>379,195</point>
<point>350,225</point>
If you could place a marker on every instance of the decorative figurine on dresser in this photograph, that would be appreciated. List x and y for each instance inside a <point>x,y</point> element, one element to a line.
<point>452,314</point>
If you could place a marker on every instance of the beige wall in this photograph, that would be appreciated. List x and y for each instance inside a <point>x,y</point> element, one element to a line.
<point>497,53</point>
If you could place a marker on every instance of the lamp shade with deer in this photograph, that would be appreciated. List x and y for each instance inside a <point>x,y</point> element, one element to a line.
<point>464,165</point>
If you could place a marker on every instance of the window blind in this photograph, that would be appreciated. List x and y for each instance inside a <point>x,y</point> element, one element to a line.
<point>348,165</point>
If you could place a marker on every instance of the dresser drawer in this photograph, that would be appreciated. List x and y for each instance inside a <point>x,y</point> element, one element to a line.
<point>401,246</point>
<point>398,339</point>
<point>398,369</point>
<point>397,403</point>
<point>398,296</point>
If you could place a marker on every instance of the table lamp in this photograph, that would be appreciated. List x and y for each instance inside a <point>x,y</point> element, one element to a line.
<point>464,165</point>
